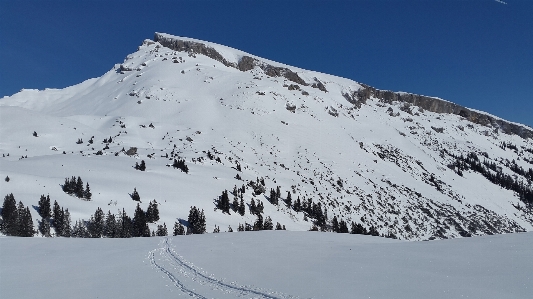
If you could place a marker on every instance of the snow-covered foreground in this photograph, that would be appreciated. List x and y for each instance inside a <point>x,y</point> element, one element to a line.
<point>267,264</point>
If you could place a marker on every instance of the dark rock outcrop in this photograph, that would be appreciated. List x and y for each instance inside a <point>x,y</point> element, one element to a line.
<point>438,106</point>
<point>246,63</point>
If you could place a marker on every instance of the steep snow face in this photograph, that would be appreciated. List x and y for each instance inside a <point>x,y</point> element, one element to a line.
<point>365,159</point>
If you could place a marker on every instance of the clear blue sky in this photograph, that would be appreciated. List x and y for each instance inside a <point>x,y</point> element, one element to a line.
<point>477,53</point>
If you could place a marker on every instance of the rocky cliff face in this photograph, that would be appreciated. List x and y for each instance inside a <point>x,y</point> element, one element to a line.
<point>438,106</point>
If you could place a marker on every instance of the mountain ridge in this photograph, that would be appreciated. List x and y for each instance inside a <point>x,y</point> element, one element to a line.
<point>356,154</point>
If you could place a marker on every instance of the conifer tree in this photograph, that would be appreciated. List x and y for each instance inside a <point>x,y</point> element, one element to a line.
<point>223,202</point>
<point>44,206</point>
<point>135,195</point>
<point>152,212</point>
<point>9,215</point>
<point>66,229</point>
<point>335,224</point>
<point>44,227</point>
<point>87,193</point>
<point>288,200</point>
<point>258,224</point>
<point>242,208</point>
<point>79,188</point>
<point>178,229</point>
<point>268,224</point>
<point>140,226</point>
<point>162,230</point>
<point>278,226</point>
<point>110,228</point>
<point>235,204</point>
<point>253,208</point>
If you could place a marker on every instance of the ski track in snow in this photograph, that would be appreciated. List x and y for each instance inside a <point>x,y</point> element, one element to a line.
<point>177,267</point>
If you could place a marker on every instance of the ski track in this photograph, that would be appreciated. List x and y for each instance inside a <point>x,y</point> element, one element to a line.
<point>177,267</point>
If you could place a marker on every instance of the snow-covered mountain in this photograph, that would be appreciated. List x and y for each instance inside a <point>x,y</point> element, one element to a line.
<point>411,166</point>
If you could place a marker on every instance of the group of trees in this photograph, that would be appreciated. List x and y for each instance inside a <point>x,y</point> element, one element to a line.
<point>141,167</point>
<point>196,221</point>
<point>74,187</point>
<point>180,164</point>
<point>496,175</point>
<point>16,219</point>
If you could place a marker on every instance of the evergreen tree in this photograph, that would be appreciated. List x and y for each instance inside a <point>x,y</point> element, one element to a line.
<point>343,228</point>
<point>66,230</point>
<point>9,215</point>
<point>196,221</point>
<point>142,167</point>
<point>80,230</point>
<point>7,179</point>
<point>240,228</point>
<point>288,200</point>
<point>253,208</point>
<point>162,230</point>
<point>44,227</point>
<point>152,213</point>
<point>268,224</point>
<point>230,230</point>
<point>335,224</point>
<point>44,206</point>
<point>297,205</point>
<point>223,202</point>
<point>216,230</point>
<point>87,193</point>
<point>25,222</point>
<point>140,226</point>
<point>79,188</point>
<point>97,224</point>
<point>278,192</point>
<point>278,226</point>
<point>110,228</point>
<point>125,225</point>
<point>235,204</point>
<point>178,229</point>
<point>58,218</point>
<point>258,224</point>
<point>242,208</point>
<point>135,195</point>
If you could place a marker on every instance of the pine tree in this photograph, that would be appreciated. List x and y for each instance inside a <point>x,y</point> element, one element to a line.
<point>152,212</point>
<point>253,208</point>
<point>288,200</point>
<point>44,227</point>
<point>268,224</point>
<point>142,167</point>
<point>97,224</point>
<point>162,230</point>
<point>110,228</point>
<point>125,226</point>
<point>66,230</point>
<point>196,221</point>
<point>7,179</point>
<point>9,215</point>
<point>335,224</point>
<point>79,188</point>
<point>278,226</point>
<point>343,228</point>
<point>223,202</point>
<point>178,229</point>
<point>230,230</point>
<point>87,193</point>
<point>135,195</point>
<point>44,206</point>
<point>25,222</point>
<point>242,208</point>
<point>58,218</point>
<point>297,205</point>
<point>235,203</point>
<point>140,226</point>
<point>258,224</point>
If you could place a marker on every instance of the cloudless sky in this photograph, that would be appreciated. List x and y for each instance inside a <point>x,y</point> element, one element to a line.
<point>476,53</point>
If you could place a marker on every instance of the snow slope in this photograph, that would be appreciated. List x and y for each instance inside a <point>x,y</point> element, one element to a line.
<point>267,265</point>
<point>373,163</point>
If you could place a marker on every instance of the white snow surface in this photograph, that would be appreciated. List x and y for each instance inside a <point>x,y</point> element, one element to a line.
<point>317,146</point>
<point>275,264</point>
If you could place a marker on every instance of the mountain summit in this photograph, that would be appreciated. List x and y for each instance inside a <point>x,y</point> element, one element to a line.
<point>182,121</point>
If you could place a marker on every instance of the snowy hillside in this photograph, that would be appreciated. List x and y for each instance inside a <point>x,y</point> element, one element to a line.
<point>401,165</point>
